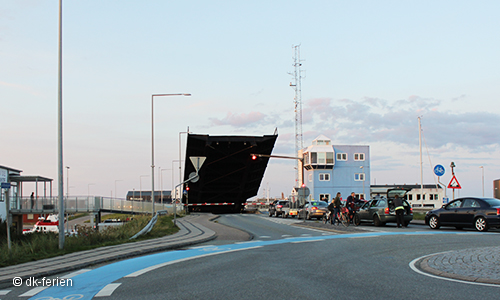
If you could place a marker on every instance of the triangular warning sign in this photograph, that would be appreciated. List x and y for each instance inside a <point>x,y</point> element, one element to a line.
<point>454,183</point>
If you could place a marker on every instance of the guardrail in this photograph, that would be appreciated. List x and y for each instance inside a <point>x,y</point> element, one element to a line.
<point>76,204</point>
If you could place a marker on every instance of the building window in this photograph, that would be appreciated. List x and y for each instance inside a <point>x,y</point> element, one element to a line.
<point>321,158</point>
<point>324,176</point>
<point>359,156</point>
<point>314,157</point>
<point>341,156</point>
<point>359,176</point>
<point>329,158</point>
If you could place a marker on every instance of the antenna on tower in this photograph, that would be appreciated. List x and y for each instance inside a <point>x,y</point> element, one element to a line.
<point>297,100</point>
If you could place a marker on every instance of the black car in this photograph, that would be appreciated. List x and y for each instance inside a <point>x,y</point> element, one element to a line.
<point>479,213</point>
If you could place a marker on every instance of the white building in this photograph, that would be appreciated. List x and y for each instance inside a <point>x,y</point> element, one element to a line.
<point>431,196</point>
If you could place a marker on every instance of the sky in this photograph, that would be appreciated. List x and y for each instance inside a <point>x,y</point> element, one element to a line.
<point>370,69</point>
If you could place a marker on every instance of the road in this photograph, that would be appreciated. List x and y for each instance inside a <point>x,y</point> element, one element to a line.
<point>284,261</point>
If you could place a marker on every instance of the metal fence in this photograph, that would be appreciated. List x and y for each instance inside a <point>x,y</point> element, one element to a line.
<point>77,204</point>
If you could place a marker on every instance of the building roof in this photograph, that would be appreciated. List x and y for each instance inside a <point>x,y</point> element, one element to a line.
<point>10,169</point>
<point>410,186</point>
<point>29,178</point>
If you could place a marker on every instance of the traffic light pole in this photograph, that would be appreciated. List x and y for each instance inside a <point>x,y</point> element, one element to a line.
<point>255,156</point>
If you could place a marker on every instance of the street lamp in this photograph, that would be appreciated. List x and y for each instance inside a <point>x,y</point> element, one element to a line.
<point>115,186</point>
<point>362,169</point>
<point>161,183</point>
<point>180,165</point>
<point>173,192</point>
<point>88,189</point>
<point>153,145</point>
<point>140,190</point>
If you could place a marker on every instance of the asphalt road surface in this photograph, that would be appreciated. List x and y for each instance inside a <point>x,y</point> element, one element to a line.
<point>284,261</point>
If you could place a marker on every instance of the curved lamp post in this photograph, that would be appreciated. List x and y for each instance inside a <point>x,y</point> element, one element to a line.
<point>153,145</point>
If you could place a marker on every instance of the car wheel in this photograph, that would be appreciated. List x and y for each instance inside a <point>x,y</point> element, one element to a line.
<point>270,214</point>
<point>480,224</point>
<point>356,220</point>
<point>434,222</point>
<point>407,223</point>
<point>376,221</point>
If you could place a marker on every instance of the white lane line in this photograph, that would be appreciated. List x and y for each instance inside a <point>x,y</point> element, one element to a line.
<point>33,292</point>
<point>145,270</point>
<point>108,290</point>
<point>37,290</point>
<point>4,292</point>
<point>70,275</point>
<point>264,237</point>
<point>363,237</point>
<point>285,235</point>
<point>308,241</point>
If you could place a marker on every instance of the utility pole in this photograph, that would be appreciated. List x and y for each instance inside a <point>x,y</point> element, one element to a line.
<point>297,100</point>
<point>421,164</point>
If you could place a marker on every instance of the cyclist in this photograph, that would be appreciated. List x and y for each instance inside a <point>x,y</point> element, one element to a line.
<point>336,209</point>
<point>350,203</point>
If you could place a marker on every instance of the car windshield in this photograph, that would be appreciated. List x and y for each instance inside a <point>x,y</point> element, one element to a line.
<point>319,204</point>
<point>492,201</point>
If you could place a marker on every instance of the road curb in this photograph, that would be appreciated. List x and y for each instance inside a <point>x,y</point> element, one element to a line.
<point>190,233</point>
<point>423,265</point>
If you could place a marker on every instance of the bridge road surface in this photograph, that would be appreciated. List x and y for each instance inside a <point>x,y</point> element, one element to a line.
<point>288,262</point>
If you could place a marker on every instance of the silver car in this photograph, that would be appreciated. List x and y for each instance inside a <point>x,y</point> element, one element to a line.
<point>313,209</point>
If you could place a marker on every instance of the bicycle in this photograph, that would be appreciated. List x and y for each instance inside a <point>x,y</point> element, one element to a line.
<point>343,216</point>
<point>326,217</point>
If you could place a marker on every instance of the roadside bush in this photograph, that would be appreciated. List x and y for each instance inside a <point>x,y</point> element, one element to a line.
<point>37,245</point>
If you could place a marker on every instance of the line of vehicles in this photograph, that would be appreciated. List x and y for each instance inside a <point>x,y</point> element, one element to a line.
<point>479,213</point>
<point>379,210</point>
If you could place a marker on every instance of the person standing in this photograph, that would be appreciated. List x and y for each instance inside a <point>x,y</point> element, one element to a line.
<point>336,209</point>
<point>400,211</point>
<point>32,198</point>
<point>350,202</point>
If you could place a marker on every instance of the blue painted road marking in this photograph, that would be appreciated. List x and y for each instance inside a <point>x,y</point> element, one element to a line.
<point>90,283</point>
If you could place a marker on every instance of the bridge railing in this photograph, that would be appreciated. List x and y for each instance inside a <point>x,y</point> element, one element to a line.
<point>76,204</point>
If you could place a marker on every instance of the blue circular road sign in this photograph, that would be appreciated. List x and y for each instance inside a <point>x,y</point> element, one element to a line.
<point>439,170</point>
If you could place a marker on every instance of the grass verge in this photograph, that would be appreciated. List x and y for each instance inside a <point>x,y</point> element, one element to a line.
<point>36,246</point>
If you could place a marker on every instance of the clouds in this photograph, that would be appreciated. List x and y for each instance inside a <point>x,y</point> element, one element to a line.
<point>372,120</point>
<point>240,120</point>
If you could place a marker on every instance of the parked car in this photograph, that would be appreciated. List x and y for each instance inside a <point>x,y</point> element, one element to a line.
<point>475,212</point>
<point>313,209</point>
<point>279,208</point>
<point>380,210</point>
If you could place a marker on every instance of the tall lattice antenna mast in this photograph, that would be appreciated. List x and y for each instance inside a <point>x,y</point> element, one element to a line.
<point>297,76</point>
